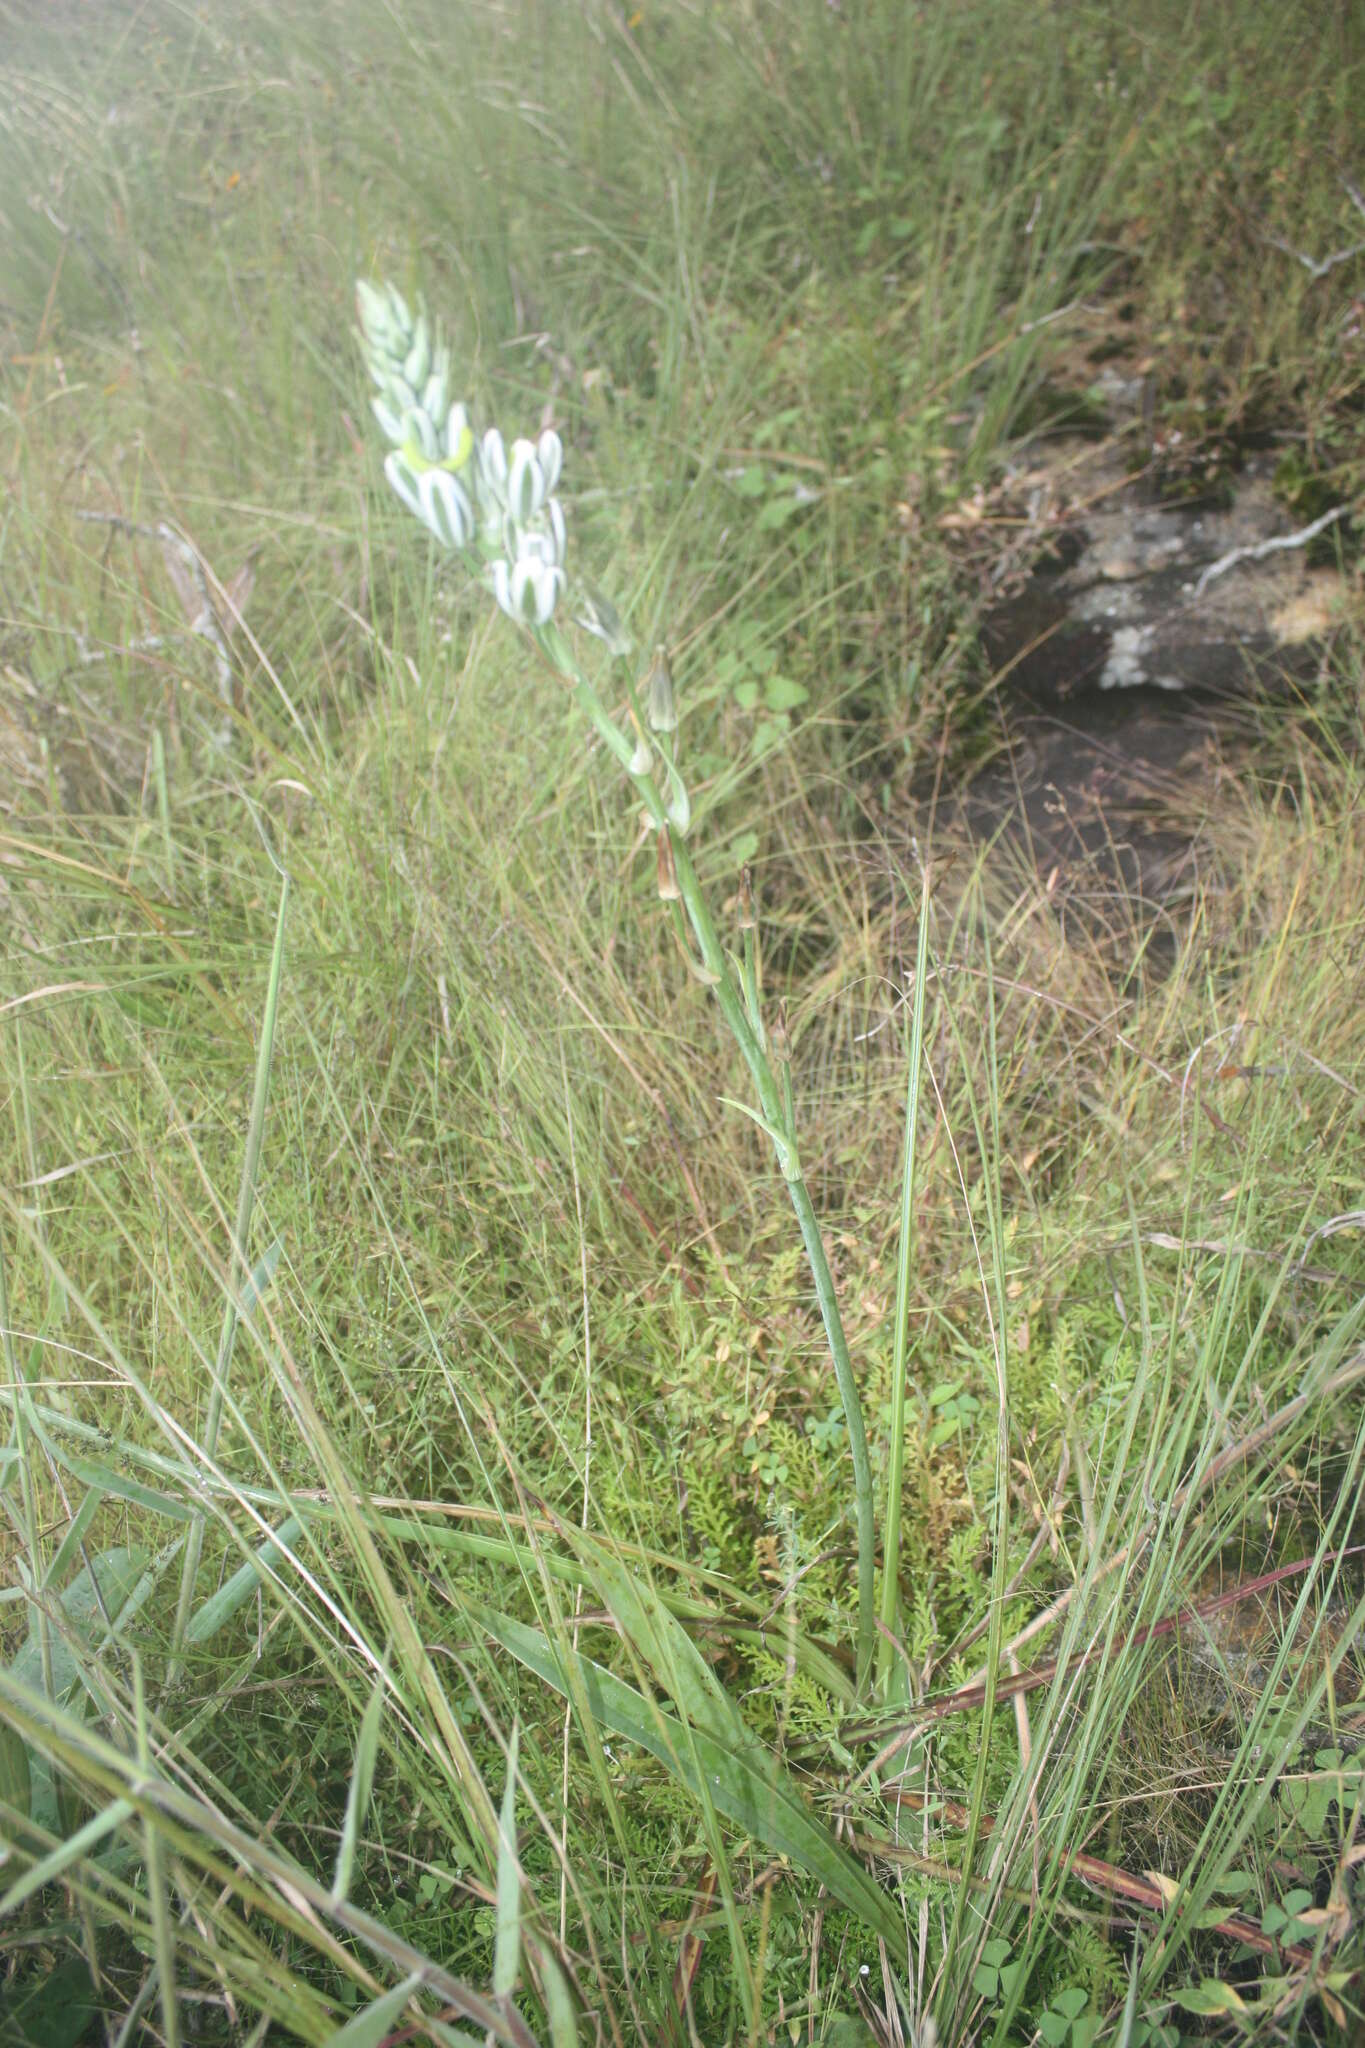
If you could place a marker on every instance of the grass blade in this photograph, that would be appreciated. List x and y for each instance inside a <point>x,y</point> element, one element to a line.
<point>237,1268</point>
<point>362,1779</point>
<point>507,1938</point>
<point>378,2019</point>
<point>755,1793</point>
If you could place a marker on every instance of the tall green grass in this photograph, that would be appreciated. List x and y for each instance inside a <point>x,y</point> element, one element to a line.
<point>447,1344</point>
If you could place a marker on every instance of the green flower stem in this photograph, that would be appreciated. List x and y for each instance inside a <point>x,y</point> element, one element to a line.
<point>900,1364</point>
<point>775,1103</point>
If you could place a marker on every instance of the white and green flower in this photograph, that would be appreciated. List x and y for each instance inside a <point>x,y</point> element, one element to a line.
<point>532,473</point>
<point>435,495</point>
<point>528,587</point>
<point>465,490</point>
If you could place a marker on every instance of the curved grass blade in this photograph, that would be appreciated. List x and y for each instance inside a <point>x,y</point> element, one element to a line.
<point>362,1779</point>
<point>507,1937</point>
<point>743,1781</point>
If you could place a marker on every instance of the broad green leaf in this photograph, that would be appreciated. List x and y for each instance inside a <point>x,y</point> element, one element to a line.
<point>1212,1996</point>
<point>666,1648</point>
<point>16,1788</point>
<point>257,1283</point>
<point>828,1675</point>
<point>53,2011</point>
<point>100,1588</point>
<point>113,1584</point>
<point>71,1542</point>
<point>749,1788</point>
<point>103,1479</point>
<point>66,1852</point>
<point>776,512</point>
<point>559,2005</point>
<point>507,1938</point>
<point>370,2026</point>
<point>781,693</point>
<point>218,1611</point>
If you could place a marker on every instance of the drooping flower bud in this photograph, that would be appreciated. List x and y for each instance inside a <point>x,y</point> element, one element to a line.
<point>600,617</point>
<point>661,707</point>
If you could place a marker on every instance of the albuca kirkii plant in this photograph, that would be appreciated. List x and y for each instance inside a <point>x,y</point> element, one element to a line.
<point>497,508</point>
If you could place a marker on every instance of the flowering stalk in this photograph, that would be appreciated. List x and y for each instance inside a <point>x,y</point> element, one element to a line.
<point>499,510</point>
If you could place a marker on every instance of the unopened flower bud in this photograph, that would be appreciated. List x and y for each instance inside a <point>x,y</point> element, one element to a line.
<point>599,617</point>
<point>527,588</point>
<point>417,364</point>
<point>493,466</point>
<point>747,919</point>
<point>397,395</point>
<point>420,435</point>
<point>642,759</point>
<point>550,455</point>
<point>554,519</point>
<point>661,708</point>
<point>436,392</point>
<point>371,309</point>
<point>778,1037</point>
<point>446,510</point>
<point>669,892</point>
<point>526,491</point>
<point>400,475</point>
<point>458,439</point>
<point>390,422</point>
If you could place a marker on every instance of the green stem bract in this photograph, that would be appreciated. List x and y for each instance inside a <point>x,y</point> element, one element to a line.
<point>775,1102</point>
<point>751,996</point>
